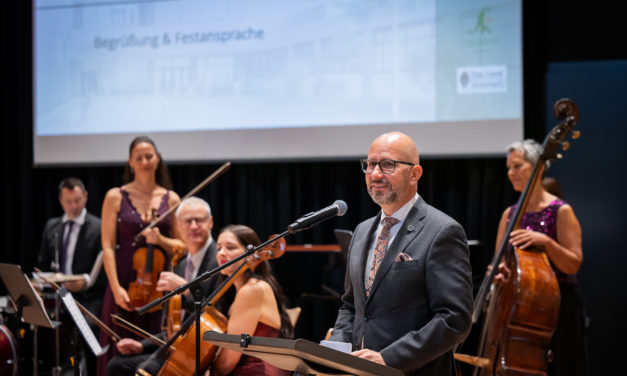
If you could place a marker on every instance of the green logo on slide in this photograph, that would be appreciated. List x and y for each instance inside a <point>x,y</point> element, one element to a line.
<point>480,26</point>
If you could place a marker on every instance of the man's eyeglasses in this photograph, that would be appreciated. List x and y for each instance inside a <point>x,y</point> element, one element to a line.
<point>386,166</point>
<point>198,220</point>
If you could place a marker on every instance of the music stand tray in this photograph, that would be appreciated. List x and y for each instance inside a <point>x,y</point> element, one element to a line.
<point>300,355</point>
<point>25,297</point>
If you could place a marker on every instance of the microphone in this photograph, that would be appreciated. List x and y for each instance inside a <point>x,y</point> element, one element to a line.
<point>311,219</point>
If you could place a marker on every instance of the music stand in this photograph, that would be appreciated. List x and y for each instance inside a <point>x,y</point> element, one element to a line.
<point>344,240</point>
<point>300,355</point>
<point>30,307</point>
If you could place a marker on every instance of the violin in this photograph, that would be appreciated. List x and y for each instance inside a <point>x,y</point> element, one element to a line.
<point>175,304</point>
<point>520,314</point>
<point>182,361</point>
<point>148,262</point>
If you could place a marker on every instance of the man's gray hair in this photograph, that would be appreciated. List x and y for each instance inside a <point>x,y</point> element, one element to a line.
<point>193,201</point>
<point>530,149</point>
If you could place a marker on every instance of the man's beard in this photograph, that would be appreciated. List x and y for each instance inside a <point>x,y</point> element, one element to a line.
<point>390,197</point>
<point>384,198</point>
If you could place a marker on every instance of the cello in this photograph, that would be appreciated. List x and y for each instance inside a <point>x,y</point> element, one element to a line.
<point>181,361</point>
<point>519,315</point>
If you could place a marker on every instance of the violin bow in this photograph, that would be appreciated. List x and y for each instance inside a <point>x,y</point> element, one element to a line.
<point>197,188</point>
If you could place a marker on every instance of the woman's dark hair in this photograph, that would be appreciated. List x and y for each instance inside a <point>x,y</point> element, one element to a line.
<point>552,186</point>
<point>161,175</point>
<point>245,236</point>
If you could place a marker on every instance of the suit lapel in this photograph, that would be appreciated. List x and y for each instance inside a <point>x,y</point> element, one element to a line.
<point>411,227</point>
<point>209,262</point>
<point>58,239</point>
<point>362,245</point>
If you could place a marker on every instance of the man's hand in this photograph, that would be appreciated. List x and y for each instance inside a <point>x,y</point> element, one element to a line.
<point>503,273</point>
<point>370,355</point>
<point>129,346</point>
<point>76,286</point>
<point>168,281</point>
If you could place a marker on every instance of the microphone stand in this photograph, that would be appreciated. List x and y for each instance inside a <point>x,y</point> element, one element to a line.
<point>194,287</point>
<point>56,267</point>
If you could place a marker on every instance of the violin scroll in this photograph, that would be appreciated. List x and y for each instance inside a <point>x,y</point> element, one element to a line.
<point>273,250</point>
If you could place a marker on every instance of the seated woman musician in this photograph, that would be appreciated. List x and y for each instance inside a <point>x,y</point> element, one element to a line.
<point>550,224</point>
<point>258,308</point>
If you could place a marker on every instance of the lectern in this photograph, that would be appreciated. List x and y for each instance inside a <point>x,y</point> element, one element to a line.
<point>300,355</point>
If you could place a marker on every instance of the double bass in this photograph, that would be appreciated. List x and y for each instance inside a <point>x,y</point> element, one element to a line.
<point>519,314</point>
<point>182,360</point>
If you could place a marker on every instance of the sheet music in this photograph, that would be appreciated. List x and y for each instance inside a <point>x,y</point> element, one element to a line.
<point>80,321</point>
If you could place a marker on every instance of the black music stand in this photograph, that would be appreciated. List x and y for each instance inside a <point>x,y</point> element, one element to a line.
<point>300,355</point>
<point>29,305</point>
<point>30,308</point>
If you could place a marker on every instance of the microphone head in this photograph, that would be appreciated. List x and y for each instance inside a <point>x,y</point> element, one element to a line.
<point>341,207</point>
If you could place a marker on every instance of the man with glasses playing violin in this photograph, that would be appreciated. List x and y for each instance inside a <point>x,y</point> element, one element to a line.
<point>408,283</point>
<point>195,223</point>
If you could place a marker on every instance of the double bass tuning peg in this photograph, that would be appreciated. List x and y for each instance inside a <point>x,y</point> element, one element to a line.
<point>565,145</point>
<point>576,135</point>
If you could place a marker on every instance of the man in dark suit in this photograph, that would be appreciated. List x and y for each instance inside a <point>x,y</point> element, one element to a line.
<point>408,284</point>
<point>70,244</point>
<point>195,223</point>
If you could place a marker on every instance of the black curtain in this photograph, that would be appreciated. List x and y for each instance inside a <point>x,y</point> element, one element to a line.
<point>268,197</point>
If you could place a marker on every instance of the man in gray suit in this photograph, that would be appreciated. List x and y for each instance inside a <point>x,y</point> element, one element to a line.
<point>408,282</point>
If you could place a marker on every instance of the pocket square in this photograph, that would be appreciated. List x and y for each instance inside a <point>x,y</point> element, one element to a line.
<point>403,257</point>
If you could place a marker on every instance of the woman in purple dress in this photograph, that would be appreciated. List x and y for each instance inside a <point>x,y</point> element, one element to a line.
<point>550,224</point>
<point>126,211</point>
<point>258,307</point>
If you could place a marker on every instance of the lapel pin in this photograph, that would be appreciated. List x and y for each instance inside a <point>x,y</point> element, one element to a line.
<point>410,228</point>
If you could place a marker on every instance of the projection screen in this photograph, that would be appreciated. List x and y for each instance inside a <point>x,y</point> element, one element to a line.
<point>273,79</point>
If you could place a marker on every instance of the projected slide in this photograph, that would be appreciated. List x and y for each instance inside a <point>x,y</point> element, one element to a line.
<point>145,67</point>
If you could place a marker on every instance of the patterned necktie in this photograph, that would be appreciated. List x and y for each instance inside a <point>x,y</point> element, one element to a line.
<point>379,249</point>
<point>66,242</point>
<point>188,269</point>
